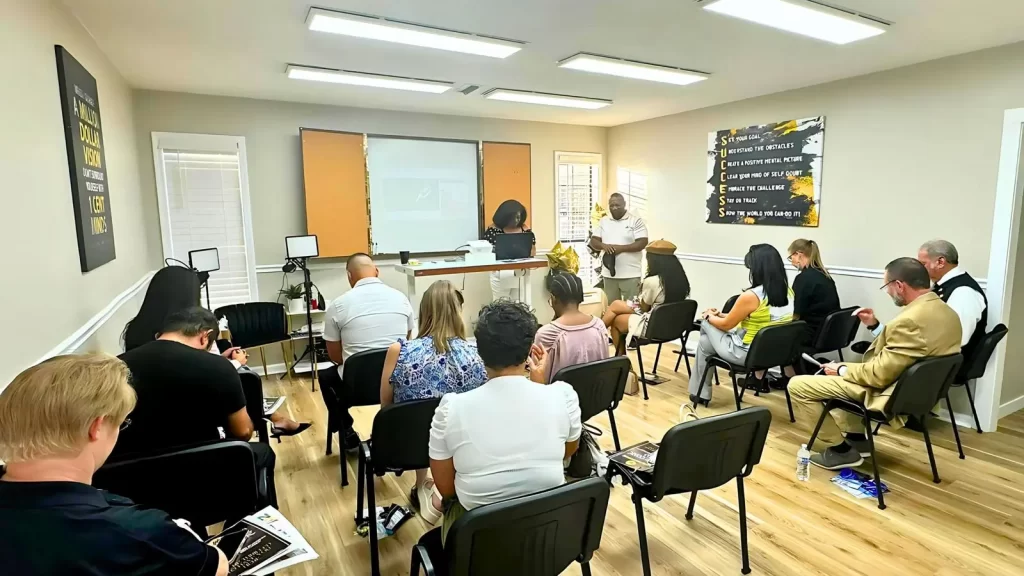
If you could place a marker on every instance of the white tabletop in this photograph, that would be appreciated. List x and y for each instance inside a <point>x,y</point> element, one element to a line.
<point>439,267</point>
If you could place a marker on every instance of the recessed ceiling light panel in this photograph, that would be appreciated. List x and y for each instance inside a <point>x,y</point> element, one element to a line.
<point>546,99</point>
<point>631,69</point>
<point>802,17</point>
<point>363,79</point>
<point>360,26</point>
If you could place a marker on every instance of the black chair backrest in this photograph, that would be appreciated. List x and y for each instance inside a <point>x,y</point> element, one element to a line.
<point>727,307</point>
<point>361,376</point>
<point>255,323</point>
<point>205,484</point>
<point>777,345</point>
<point>252,388</point>
<point>922,385</point>
<point>975,365</point>
<point>709,452</point>
<point>539,534</point>
<point>599,385</point>
<point>669,321</point>
<point>837,331</point>
<point>401,433</point>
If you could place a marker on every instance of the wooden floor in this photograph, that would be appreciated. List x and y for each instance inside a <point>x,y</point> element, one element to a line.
<point>971,523</point>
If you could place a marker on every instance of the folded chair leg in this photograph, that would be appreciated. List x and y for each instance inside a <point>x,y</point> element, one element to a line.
<point>974,411</point>
<point>643,377</point>
<point>789,404</point>
<point>645,559</point>
<point>928,445</point>
<point>344,468</point>
<point>736,391</point>
<point>330,440</point>
<point>360,486</point>
<point>817,428</point>
<point>717,382</point>
<point>263,358</point>
<point>689,509</point>
<point>874,461</point>
<point>689,372</point>
<point>841,355</point>
<point>956,431</point>
<point>703,378</point>
<point>585,568</point>
<point>657,357</point>
<point>615,431</point>
<point>371,507</point>
<point>877,428</point>
<point>681,352</point>
<point>743,524</point>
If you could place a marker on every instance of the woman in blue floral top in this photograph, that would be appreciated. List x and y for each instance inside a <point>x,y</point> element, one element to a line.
<point>439,361</point>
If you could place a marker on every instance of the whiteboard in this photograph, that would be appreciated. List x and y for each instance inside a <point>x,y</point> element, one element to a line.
<point>424,194</point>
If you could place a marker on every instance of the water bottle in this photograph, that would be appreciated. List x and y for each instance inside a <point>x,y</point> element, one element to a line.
<point>803,464</point>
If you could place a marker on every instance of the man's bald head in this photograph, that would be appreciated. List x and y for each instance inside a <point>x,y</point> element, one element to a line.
<point>360,266</point>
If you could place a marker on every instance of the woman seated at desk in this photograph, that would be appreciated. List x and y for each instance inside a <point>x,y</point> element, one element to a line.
<point>768,302</point>
<point>439,361</point>
<point>666,281</point>
<point>509,218</point>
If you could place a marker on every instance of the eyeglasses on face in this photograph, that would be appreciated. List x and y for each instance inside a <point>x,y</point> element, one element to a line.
<point>886,285</point>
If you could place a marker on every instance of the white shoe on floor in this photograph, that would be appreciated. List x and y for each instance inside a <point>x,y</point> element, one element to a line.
<point>425,494</point>
<point>687,414</point>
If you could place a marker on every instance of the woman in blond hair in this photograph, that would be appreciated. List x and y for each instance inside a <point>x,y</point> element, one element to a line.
<point>815,295</point>
<point>438,362</point>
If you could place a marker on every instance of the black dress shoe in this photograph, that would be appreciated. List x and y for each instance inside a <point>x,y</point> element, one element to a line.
<point>350,440</point>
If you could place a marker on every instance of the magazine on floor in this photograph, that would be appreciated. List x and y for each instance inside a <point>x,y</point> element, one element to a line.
<point>639,457</point>
<point>262,543</point>
<point>272,403</point>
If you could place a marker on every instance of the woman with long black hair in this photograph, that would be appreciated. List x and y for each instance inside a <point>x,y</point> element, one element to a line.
<point>768,302</point>
<point>509,218</point>
<point>666,281</point>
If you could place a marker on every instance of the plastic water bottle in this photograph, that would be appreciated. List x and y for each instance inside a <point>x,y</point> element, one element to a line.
<point>803,464</point>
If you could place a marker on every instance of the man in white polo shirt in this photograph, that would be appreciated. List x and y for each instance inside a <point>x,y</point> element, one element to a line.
<point>370,316</point>
<point>622,237</point>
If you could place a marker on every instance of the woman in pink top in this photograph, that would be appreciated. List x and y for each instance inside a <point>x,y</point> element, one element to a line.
<point>573,337</point>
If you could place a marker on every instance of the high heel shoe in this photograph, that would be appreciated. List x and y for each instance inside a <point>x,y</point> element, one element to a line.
<point>695,400</point>
<point>276,432</point>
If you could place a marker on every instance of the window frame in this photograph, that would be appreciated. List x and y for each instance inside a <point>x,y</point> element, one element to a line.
<point>596,159</point>
<point>205,143</point>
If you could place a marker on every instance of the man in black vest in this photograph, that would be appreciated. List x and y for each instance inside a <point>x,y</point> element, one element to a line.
<point>957,289</point>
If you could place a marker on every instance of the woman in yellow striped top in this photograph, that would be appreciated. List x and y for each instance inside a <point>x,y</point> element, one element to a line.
<point>768,302</point>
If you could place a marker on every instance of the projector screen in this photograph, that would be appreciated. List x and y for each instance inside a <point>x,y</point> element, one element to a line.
<point>424,194</point>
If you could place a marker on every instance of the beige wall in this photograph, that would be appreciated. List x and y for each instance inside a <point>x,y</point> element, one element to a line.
<point>1013,369</point>
<point>47,296</point>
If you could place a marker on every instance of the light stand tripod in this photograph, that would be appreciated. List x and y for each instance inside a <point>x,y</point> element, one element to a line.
<point>307,288</point>
<point>204,282</point>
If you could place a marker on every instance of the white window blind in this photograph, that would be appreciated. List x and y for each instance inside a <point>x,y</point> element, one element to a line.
<point>633,187</point>
<point>578,188</point>
<point>203,206</point>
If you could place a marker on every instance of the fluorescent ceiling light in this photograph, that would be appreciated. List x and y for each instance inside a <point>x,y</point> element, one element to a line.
<point>802,17</point>
<point>628,69</point>
<point>376,28</point>
<point>546,99</point>
<point>363,79</point>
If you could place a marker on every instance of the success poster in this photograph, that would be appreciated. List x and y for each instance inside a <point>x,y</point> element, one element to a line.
<point>766,174</point>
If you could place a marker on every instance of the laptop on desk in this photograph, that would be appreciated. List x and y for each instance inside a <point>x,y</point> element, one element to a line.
<point>513,246</point>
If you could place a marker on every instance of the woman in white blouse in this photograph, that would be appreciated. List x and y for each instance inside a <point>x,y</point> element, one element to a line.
<point>507,438</point>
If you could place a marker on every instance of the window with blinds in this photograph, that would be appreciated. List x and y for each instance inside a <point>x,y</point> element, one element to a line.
<point>578,188</point>
<point>633,187</point>
<point>204,204</point>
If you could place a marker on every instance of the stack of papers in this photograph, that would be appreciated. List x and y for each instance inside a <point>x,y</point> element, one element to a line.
<point>262,543</point>
<point>860,485</point>
<point>639,457</point>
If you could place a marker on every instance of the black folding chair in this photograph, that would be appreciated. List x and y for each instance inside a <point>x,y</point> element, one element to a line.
<point>918,389</point>
<point>837,332</point>
<point>401,433</point>
<point>540,534</point>
<point>695,327</point>
<point>252,388</point>
<point>205,484</point>
<point>700,455</point>
<point>974,367</point>
<point>360,384</point>
<point>600,386</point>
<point>773,347</point>
<point>256,324</point>
<point>666,324</point>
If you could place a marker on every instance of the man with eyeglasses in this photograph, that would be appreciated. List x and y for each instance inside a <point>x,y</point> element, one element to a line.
<point>925,327</point>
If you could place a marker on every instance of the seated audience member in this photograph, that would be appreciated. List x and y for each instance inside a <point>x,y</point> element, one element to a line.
<point>666,282</point>
<point>622,236</point>
<point>59,421</point>
<point>509,218</point>
<point>768,302</point>
<point>572,337</point>
<point>370,316</point>
<point>958,290</point>
<point>186,395</point>
<point>507,438</point>
<point>814,290</point>
<point>175,288</point>
<point>439,361</point>
<point>925,327</point>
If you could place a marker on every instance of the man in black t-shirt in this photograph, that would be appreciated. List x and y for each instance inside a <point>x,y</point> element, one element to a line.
<point>58,422</point>
<point>186,395</point>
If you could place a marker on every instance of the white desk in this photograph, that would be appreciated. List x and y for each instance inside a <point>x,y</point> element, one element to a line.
<point>440,268</point>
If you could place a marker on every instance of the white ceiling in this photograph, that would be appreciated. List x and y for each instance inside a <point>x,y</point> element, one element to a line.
<point>241,48</point>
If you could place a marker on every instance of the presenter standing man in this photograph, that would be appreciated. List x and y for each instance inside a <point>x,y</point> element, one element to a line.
<point>622,237</point>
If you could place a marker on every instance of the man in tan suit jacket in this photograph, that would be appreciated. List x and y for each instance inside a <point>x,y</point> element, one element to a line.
<point>925,327</point>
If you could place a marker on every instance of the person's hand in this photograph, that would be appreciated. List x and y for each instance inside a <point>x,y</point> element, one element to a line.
<point>609,248</point>
<point>240,356</point>
<point>537,364</point>
<point>831,369</point>
<point>230,352</point>
<point>867,317</point>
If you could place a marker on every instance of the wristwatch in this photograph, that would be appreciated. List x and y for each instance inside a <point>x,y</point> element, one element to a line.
<point>875,327</point>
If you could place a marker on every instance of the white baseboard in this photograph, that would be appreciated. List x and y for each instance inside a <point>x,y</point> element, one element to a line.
<point>962,420</point>
<point>278,368</point>
<point>1011,406</point>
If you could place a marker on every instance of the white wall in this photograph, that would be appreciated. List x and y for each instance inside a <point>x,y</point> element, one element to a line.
<point>910,154</point>
<point>46,295</point>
